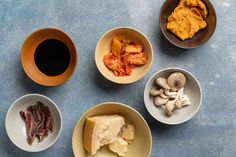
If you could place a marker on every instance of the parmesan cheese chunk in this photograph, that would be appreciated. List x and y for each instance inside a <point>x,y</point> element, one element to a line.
<point>101,130</point>
<point>120,146</point>
<point>128,132</point>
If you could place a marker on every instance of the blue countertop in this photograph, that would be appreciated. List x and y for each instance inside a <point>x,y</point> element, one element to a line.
<point>211,133</point>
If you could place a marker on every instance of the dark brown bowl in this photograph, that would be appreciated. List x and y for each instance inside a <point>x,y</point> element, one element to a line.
<point>199,38</point>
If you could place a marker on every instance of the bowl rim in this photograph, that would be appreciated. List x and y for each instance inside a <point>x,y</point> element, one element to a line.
<point>187,47</point>
<point>118,104</point>
<point>177,69</point>
<point>133,29</point>
<point>76,54</point>
<point>23,97</point>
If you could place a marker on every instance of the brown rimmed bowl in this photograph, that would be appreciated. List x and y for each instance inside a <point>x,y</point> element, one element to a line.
<point>199,38</point>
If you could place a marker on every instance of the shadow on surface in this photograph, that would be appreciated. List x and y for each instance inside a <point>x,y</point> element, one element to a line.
<point>168,48</point>
<point>158,127</point>
<point>29,85</point>
<point>104,84</point>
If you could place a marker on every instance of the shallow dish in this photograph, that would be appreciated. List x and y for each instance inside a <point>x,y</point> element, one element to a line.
<point>199,38</point>
<point>192,88</point>
<point>142,131</point>
<point>15,126</point>
<point>28,53</point>
<point>103,48</point>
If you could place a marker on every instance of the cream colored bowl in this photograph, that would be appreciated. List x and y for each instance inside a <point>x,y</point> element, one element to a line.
<point>103,48</point>
<point>142,144</point>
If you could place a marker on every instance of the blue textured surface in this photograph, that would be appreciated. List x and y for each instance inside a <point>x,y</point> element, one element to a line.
<point>211,133</point>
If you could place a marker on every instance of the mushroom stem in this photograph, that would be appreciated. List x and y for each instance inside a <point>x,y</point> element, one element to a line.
<point>170,94</point>
<point>176,103</point>
<point>169,107</point>
<point>162,94</point>
<point>183,100</point>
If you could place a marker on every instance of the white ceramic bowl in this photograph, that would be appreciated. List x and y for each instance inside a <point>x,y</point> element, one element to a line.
<point>15,126</point>
<point>192,88</point>
<point>104,46</point>
<point>140,147</point>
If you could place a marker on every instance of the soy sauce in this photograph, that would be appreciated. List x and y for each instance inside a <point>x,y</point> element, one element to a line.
<point>52,57</point>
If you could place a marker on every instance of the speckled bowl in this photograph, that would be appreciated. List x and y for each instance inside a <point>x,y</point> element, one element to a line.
<point>103,48</point>
<point>192,88</point>
<point>199,38</point>
<point>140,147</point>
<point>15,126</point>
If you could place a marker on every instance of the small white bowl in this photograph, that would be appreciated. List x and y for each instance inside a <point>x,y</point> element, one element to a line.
<point>192,88</point>
<point>15,126</point>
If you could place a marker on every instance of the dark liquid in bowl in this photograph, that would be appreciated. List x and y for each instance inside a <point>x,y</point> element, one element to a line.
<point>52,57</point>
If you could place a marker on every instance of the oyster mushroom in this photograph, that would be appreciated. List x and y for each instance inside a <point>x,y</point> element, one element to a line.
<point>181,100</point>
<point>184,97</point>
<point>176,81</point>
<point>162,82</point>
<point>179,103</point>
<point>170,94</point>
<point>161,93</point>
<point>176,103</point>
<point>169,107</point>
<point>158,101</point>
<point>154,91</point>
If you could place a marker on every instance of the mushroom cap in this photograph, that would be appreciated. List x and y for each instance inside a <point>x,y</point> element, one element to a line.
<point>158,101</point>
<point>154,91</point>
<point>176,81</point>
<point>162,82</point>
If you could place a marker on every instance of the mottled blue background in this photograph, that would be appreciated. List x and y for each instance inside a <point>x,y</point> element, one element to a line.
<point>211,133</point>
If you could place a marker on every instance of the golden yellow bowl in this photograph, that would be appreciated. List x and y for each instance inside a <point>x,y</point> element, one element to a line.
<point>142,144</point>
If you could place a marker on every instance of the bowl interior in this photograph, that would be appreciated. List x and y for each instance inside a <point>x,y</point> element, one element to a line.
<point>192,89</point>
<point>142,132</point>
<point>16,129</point>
<point>200,37</point>
<point>103,48</point>
<point>28,51</point>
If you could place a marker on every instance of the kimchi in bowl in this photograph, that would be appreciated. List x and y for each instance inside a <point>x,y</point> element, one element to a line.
<point>104,47</point>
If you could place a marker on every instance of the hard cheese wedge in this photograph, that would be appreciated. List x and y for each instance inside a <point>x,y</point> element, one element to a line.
<point>101,130</point>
